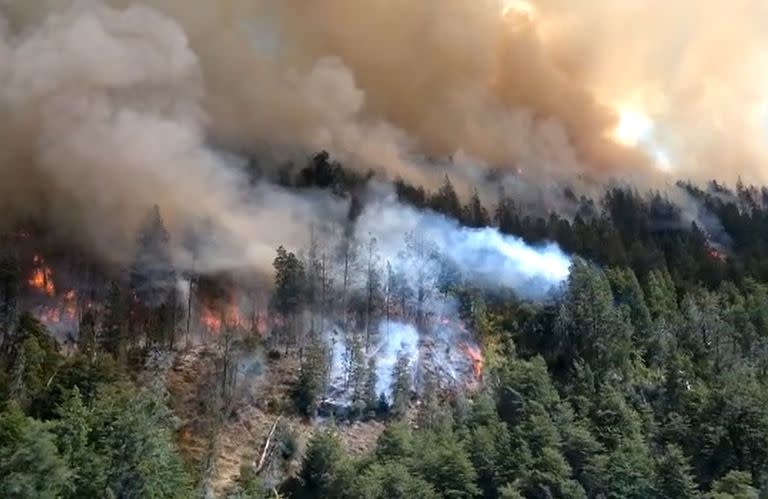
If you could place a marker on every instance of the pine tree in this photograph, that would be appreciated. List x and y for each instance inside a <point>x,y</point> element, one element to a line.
<point>443,461</point>
<point>373,291</point>
<point>393,481</point>
<point>588,326</point>
<point>370,398</point>
<point>432,415</point>
<point>446,201</point>
<point>321,463</point>
<point>73,438</point>
<point>627,292</point>
<point>474,213</point>
<point>34,358</point>
<point>30,465</point>
<point>289,288</point>
<point>130,433</point>
<point>87,338</point>
<point>402,380</point>
<point>734,485</point>
<point>113,334</point>
<point>357,373</point>
<point>311,384</point>
<point>674,476</point>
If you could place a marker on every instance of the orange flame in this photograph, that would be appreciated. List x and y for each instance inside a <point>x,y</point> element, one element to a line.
<point>476,357</point>
<point>42,277</point>
<point>210,321</point>
<point>213,320</point>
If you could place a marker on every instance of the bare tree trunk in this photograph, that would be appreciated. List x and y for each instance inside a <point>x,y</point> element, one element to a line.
<point>369,305</point>
<point>345,284</point>
<point>267,447</point>
<point>254,316</point>
<point>189,309</point>
<point>387,296</point>
<point>323,290</point>
<point>174,306</point>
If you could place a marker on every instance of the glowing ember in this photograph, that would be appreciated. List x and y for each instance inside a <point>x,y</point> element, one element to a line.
<point>42,277</point>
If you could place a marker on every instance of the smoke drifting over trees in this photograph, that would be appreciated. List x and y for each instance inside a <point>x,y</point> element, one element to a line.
<point>451,222</point>
<point>111,107</point>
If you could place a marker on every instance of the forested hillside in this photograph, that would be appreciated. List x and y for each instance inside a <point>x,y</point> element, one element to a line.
<point>383,249</point>
<point>642,375</point>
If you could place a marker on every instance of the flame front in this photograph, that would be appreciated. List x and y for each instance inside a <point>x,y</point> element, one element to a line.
<point>210,321</point>
<point>213,320</point>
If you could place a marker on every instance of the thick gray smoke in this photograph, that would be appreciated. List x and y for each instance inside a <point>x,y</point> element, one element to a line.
<point>103,119</point>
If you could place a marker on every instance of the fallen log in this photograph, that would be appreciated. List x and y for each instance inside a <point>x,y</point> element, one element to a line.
<point>267,445</point>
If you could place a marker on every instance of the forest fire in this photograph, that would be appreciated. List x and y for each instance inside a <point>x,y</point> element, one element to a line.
<point>42,277</point>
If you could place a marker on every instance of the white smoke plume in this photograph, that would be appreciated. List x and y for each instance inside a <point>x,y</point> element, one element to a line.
<point>483,256</point>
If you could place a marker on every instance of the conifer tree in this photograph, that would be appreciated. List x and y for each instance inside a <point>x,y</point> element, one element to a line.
<point>113,334</point>
<point>402,380</point>
<point>321,463</point>
<point>289,288</point>
<point>311,384</point>
<point>474,213</point>
<point>370,398</point>
<point>674,476</point>
<point>446,201</point>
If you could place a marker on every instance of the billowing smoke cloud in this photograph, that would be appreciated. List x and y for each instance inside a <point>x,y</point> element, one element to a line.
<point>385,84</point>
<point>103,118</point>
<point>480,255</point>
<point>541,88</point>
<point>109,105</point>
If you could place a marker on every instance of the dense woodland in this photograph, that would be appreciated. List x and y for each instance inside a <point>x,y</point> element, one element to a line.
<point>645,376</point>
